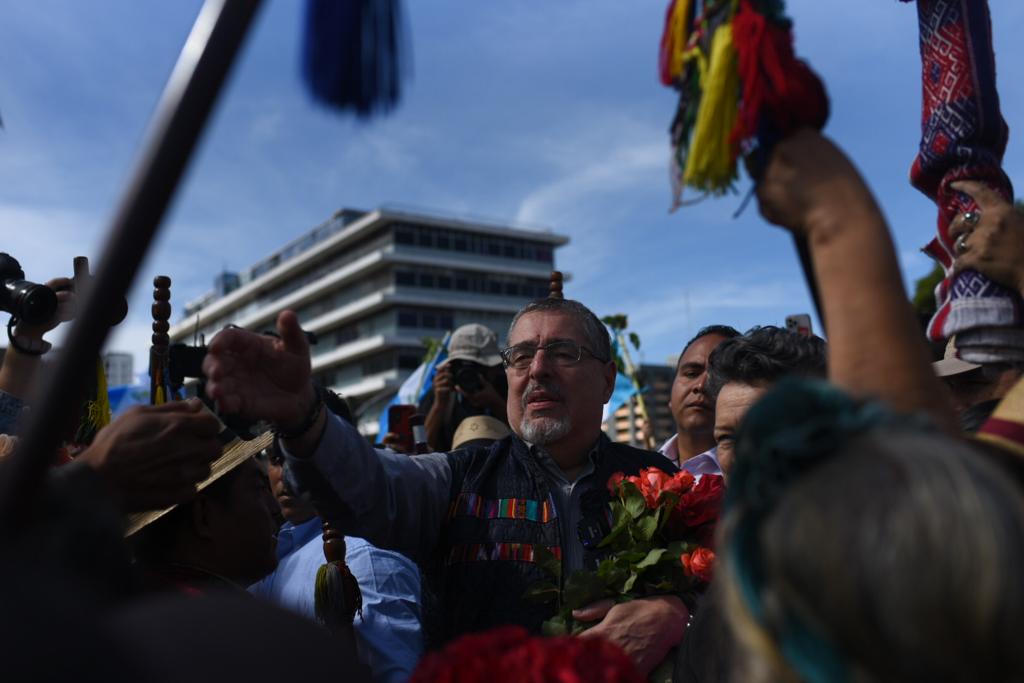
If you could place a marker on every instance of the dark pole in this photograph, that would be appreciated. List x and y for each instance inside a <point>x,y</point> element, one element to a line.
<point>176,127</point>
<point>803,250</point>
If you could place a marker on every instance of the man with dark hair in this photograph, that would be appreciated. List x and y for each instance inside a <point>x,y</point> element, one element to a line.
<point>692,446</point>
<point>473,517</point>
<point>742,369</point>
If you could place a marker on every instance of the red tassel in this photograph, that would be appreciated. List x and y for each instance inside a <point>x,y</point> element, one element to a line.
<point>775,83</point>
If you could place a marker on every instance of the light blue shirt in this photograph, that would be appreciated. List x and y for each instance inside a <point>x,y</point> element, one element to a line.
<point>389,633</point>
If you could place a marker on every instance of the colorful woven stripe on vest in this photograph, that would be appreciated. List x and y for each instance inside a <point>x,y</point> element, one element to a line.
<point>1005,428</point>
<point>483,552</point>
<point>963,135</point>
<point>474,505</point>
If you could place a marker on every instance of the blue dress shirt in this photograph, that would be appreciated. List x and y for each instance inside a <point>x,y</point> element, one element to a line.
<point>390,639</point>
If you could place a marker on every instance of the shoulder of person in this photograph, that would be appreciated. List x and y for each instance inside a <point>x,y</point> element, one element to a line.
<point>640,458</point>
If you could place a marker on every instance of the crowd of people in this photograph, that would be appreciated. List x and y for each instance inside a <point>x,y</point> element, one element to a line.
<point>872,529</point>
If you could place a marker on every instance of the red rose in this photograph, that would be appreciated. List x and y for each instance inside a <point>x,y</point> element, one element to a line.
<point>614,481</point>
<point>702,503</point>
<point>702,563</point>
<point>679,483</point>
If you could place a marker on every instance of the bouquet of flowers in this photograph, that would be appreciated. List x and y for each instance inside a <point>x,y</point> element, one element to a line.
<point>661,542</point>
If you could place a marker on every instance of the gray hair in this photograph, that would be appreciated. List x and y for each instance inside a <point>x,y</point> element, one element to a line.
<point>905,552</point>
<point>594,332</point>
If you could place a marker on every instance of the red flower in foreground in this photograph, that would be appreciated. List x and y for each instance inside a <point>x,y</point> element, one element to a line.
<point>700,564</point>
<point>511,654</point>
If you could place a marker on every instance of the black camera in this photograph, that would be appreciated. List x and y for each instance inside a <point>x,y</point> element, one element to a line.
<point>24,300</point>
<point>466,376</point>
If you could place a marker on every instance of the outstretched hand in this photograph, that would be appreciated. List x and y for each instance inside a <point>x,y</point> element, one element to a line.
<point>261,377</point>
<point>992,241</point>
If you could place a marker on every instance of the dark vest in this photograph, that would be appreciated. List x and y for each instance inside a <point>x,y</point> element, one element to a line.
<point>500,508</point>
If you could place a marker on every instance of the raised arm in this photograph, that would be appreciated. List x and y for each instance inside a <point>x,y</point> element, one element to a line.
<point>392,500</point>
<point>875,347</point>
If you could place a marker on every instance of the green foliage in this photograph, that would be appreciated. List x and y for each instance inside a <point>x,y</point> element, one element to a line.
<point>432,346</point>
<point>617,322</point>
<point>924,293</point>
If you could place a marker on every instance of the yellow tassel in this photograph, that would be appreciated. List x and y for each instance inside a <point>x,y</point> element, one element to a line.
<point>709,164</point>
<point>99,410</point>
<point>160,398</point>
<point>679,32</point>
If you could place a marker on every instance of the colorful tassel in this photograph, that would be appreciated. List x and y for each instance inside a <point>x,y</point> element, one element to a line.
<point>96,411</point>
<point>673,41</point>
<point>743,91</point>
<point>710,164</point>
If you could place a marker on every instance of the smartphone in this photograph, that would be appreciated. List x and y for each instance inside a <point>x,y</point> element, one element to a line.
<point>399,423</point>
<point>800,323</point>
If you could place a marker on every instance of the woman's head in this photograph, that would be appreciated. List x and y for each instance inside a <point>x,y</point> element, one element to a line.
<point>895,554</point>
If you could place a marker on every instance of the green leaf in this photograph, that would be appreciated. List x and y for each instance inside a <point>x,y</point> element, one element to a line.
<point>633,500</point>
<point>547,561</point>
<point>541,592</point>
<point>555,626</point>
<point>646,527</point>
<point>628,585</point>
<point>582,588</point>
<point>651,559</point>
<point>634,339</point>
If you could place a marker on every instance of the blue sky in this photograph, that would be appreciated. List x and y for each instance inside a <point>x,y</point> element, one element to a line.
<point>546,113</point>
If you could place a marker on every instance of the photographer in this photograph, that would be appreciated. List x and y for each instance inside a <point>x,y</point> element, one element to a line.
<point>35,310</point>
<point>471,382</point>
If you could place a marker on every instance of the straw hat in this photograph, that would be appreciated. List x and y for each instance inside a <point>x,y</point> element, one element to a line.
<point>479,427</point>
<point>233,454</point>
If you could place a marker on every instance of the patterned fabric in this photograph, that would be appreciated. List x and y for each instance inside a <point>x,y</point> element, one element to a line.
<point>482,552</point>
<point>963,135</point>
<point>474,505</point>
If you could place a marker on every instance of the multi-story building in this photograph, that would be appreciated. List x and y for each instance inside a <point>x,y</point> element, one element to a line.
<point>372,285</point>
<point>118,367</point>
<point>626,424</point>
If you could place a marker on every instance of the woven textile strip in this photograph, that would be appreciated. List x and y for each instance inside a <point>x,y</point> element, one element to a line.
<point>963,135</point>
<point>473,505</point>
<point>483,552</point>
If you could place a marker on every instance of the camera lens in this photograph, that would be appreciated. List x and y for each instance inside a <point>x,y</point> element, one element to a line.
<point>33,303</point>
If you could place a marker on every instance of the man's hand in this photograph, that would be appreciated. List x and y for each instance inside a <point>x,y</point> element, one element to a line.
<point>65,312</point>
<point>444,386</point>
<point>153,456</point>
<point>994,244</point>
<point>808,182</point>
<point>646,628</point>
<point>259,376</point>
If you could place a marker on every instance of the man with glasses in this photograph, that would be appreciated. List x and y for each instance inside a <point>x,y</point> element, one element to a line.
<point>472,518</point>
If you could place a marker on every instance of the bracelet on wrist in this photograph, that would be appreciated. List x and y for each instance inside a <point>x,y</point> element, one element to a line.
<point>36,347</point>
<point>307,422</point>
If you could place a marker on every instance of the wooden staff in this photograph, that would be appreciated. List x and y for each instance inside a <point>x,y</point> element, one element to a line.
<point>180,117</point>
<point>158,352</point>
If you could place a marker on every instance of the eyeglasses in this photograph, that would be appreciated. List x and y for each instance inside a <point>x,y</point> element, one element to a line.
<point>561,353</point>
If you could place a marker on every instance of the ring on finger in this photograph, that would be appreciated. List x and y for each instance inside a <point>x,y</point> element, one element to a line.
<point>961,246</point>
<point>971,218</point>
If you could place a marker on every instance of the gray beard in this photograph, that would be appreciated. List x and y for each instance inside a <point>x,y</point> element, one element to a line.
<point>544,430</point>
